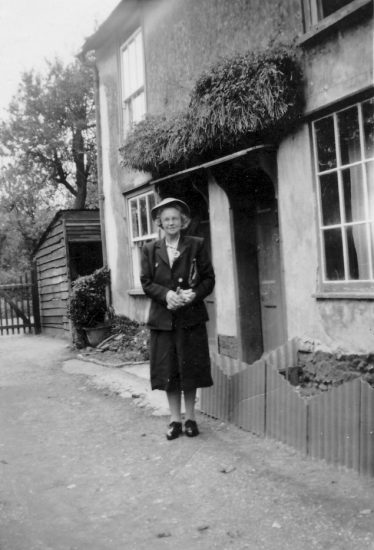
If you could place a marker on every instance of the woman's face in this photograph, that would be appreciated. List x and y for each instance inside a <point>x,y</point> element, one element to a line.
<point>171,222</point>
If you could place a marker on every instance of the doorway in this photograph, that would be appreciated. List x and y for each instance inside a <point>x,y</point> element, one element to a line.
<point>256,242</point>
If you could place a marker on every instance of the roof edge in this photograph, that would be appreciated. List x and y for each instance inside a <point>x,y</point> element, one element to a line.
<point>58,215</point>
<point>121,17</point>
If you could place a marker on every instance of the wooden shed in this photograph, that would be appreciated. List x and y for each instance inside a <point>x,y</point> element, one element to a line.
<point>70,247</point>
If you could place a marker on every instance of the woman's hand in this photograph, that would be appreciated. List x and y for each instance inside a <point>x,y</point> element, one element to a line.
<point>178,299</point>
<point>174,300</point>
<point>188,295</point>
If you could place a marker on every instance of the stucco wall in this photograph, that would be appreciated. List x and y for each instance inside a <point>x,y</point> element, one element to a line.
<point>113,186</point>
<point>184,37</point>
<point>339,65</point>
<point>222,258</point>
<point>348,324</point>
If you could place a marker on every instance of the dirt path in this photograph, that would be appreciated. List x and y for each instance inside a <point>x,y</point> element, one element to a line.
<point>82,468</point>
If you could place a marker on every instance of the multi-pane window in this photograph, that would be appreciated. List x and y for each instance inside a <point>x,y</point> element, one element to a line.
<point>132,70</point>
<point>316,10</point>
<point>344,160</point>
<point>142,228</point>
<point>327,7</point>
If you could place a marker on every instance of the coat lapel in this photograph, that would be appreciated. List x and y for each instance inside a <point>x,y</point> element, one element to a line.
<point>162,252</point>
<point>182,247</point>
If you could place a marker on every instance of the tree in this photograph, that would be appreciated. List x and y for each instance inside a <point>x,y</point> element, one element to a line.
<point>27,205</point>
<point>51,129</point>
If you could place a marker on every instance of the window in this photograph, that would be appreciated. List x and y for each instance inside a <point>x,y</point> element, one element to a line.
<point>142,229</point>
<point>344,160</point>
<point>132,70</point>
<point>316,10</point>
<point>327,7</point>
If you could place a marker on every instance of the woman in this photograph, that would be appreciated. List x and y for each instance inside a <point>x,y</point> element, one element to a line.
<point>177,275</point>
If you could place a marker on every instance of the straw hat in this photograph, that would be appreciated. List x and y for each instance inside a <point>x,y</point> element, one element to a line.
<point>170,201</point>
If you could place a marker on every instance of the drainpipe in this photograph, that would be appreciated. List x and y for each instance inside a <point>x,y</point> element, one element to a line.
<point>99,162</point>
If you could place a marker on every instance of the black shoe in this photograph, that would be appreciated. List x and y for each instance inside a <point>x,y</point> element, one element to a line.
<point>190,428</point>
<point>174,431</point>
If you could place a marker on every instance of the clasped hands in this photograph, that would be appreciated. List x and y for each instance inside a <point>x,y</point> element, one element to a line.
<point>180,298</point>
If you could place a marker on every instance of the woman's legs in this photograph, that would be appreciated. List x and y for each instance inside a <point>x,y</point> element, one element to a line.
<point>174,400</point>
<point>175,427</point>
<point>189,402</point>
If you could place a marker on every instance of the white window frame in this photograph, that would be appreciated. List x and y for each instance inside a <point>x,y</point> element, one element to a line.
<point>143,235</point>
<point>345,285</point>
<point>132,81</point>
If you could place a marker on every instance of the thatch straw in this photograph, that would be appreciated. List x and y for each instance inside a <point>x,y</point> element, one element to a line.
<point>239,98</point>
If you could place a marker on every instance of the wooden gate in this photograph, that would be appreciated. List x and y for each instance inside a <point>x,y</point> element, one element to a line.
<point>19,306</point>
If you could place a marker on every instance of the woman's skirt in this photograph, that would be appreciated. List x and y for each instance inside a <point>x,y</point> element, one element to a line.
<point>179,359</point>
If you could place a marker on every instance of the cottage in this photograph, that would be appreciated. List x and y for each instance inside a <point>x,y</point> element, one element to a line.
<point>70,247</point>
<point>290,223</point>
<point>285,199</point>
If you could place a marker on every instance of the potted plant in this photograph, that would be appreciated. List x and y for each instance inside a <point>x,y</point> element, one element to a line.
<point>88,308</point>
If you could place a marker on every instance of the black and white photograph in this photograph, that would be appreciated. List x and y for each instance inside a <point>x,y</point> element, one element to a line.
<point>186,275</point>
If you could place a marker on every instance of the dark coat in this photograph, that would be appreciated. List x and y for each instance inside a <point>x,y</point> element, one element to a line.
<point>179,344</point>
<point>157,278</point>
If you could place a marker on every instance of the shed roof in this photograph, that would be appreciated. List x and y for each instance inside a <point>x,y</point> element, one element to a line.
<point>67,214</point>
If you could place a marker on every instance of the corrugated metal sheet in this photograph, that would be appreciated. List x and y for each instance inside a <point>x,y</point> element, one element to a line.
<point>248,397</point>
<point>214,401</point>
<point>367,430</point>
<point>286,411</point>
<point>337,426</point>
<point>284,357</point>
<point>334,425</point>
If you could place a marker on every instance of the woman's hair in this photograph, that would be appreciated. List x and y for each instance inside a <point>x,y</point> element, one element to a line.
<point>185,219</point>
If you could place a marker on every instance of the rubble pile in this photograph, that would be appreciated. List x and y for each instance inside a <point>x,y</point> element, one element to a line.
<point>128,342</point>
<point>130,347</point>
<point>321,371</point>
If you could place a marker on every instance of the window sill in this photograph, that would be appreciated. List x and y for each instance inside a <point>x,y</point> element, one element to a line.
<point>136,292</point>
<point>343,296</point>
<point>335,20</point>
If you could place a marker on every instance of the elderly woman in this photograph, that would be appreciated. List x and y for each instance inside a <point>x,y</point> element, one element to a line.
<point>177,275</point>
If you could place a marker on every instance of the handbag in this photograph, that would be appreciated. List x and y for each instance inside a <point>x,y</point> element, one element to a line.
<point>193,278</point>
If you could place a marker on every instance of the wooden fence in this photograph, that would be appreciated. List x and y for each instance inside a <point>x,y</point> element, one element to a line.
<point>337,425</point>
<point>19,306</point>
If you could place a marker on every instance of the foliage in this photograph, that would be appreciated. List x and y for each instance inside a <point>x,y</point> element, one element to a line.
<point>25,209</point>
<point>50,129</point>
<point>239,100</point>
<point>87,304</point>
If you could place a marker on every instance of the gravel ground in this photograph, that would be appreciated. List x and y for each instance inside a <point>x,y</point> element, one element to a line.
<point>84,466</point>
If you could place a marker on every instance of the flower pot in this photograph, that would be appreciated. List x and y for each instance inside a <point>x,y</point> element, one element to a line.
<point>95,335</point>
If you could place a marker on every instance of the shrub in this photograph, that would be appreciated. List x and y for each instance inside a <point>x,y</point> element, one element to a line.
<point>87,304</point>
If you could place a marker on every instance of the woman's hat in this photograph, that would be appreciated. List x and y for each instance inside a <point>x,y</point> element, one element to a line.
<point>169,202</point>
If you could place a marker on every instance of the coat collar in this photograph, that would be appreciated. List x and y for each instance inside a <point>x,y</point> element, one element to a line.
<point>183,245</point>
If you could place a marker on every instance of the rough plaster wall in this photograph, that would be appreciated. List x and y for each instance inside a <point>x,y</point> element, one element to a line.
<point>184,37</point>
<point>223,261</point>
<point>339,66</point>
<point>113,202</point>
<point>297,220</point>
<point>347,324</point>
